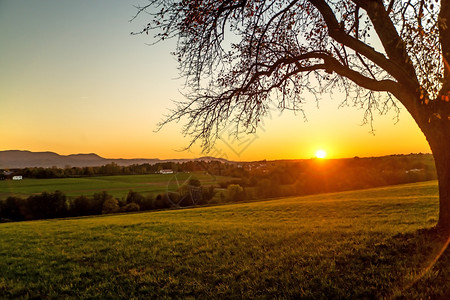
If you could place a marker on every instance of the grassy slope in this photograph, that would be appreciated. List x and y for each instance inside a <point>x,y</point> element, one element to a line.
<point>362,244</point>
<point>115,185</point>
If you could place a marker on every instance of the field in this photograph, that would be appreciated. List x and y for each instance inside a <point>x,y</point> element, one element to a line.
<point>119,186</point>
<point>363,244</point>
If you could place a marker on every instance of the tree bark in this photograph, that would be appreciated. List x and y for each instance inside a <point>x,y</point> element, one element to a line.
<point>437,132</point>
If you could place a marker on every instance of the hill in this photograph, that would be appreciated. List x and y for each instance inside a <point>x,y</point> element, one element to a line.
<point>354,245</point>
<point>13,159</point>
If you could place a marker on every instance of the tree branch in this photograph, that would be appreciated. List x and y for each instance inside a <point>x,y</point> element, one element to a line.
<point>337,33</point>
<point>393,45</point>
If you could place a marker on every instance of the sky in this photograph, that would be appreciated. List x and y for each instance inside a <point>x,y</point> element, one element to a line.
<point>73,80</point>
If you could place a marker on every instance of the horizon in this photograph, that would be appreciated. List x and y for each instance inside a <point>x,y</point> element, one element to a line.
<point>207,156</point>
<point>74,82</point>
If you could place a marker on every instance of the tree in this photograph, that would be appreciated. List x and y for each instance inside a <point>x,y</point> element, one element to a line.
<point>47,205</point>
<point>238,54</point>
<point>81,206</point>
<point>135,197</point>
<point>235,193</point>
<point>111,205</point>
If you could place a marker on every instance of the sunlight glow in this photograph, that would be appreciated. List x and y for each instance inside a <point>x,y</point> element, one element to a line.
<point>321,153</point>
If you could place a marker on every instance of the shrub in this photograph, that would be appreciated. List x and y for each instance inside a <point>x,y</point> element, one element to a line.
<point>187,195</point>
<point>267,188</point>
<point>207,194</point>
<point>111,205</point>
<point>47,205</point>
<point>235,193</point>
<point>130,207</point>
<point>96,204</point>
<point>135,197</point>
<point>81,206</point>
<point>194,182</point>
<point>219,197</point>
<point>13,208</point>
<point>147,203</point>
<point>161,201</point>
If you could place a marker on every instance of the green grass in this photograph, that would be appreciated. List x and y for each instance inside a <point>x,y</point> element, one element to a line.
<point>352,245</point>
<point>115,185</point>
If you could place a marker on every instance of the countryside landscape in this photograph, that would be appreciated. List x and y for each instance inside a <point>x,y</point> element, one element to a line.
<point>232,149</point>
<point>366,243</point>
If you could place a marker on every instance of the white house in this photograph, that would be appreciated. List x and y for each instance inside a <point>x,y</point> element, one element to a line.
<point>166,171</point>
<point>17,177</point>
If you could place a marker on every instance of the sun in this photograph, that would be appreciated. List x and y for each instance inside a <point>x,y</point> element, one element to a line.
<point>321,153</point>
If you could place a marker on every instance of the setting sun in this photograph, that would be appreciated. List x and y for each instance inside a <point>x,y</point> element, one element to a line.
<point>321,153</point>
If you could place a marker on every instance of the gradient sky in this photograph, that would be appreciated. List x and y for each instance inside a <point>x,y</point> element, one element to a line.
<point>73,80</point>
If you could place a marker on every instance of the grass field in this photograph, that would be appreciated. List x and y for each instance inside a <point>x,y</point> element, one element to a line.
<point>354,245</point>
<point>115,185</point>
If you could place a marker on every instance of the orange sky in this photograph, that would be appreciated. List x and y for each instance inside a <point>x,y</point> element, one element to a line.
<point>72,80</point>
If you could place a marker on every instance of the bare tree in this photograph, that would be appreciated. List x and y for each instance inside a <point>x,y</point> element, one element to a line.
<point>238,54</point>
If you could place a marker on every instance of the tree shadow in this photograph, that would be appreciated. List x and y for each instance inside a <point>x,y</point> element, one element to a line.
<point>427,258</point>
<point>406,266</point>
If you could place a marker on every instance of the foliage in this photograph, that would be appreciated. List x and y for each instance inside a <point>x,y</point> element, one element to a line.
<point>46,206</point>
<point>219,197</point>
<point>207,194</point>
<point>82,206</point>
<point>110,205</point>
<point>135,197</point>
<point>130,207</point>
<point>235,193</point>
<point>194,182</point>
<point>13,208</point>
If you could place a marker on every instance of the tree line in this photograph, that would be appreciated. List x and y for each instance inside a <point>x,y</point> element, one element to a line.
<point>49,205</point>
<point>252,181</point>
<point>284,178</point>
<point>216,167</point>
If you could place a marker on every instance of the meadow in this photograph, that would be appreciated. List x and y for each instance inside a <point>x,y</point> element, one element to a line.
<point>118,186</point>
<point>366,244</point>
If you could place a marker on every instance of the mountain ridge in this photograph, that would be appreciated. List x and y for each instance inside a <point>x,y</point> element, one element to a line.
<point>15,159</point>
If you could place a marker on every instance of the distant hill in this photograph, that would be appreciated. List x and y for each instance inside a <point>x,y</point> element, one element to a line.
<point>12,159</point>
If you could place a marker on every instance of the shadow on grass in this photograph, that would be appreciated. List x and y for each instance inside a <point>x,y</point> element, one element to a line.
<point>428,257</point>
<point>405,266</point>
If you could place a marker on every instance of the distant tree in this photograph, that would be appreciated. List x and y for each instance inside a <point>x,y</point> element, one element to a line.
<point>235,193</point>
<point>111,205</point>
<point>189,194</point>
<point>237,54</point>
<point>207,194</point>
<point>13,208</point>
<point>135,197</point>
<point>47,205</point>
<point>194,182</point>
<point>267,188</point>
<point>80,206</point>
<point>161,201</point>
<point>96,203</point>
<point>130,207</point>
<point>88,171</point>
<point>147,203</point>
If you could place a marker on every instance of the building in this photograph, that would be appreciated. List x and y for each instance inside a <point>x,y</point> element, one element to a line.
<point>166,171</point>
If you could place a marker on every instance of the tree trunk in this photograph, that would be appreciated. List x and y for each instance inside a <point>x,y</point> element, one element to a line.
<point>442,161</point>
<point>438,136</point>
